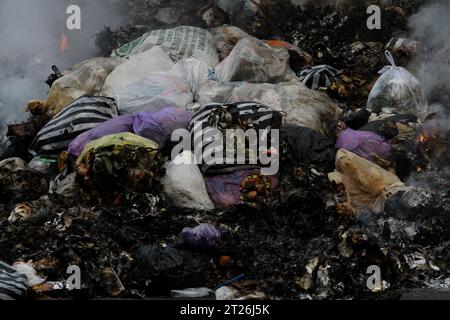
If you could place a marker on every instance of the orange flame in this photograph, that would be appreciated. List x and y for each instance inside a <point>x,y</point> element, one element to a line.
<point>64,43</point>
<point>423,138</point>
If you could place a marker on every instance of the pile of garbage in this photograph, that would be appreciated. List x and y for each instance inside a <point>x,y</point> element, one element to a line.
<point>95,179</point>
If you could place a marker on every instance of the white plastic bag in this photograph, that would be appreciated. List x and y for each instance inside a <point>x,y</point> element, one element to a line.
<point>397,89</point>
<point>184,183</point>
<point>181,42</point>
<point>136,68</point>
<point>194,73</point>
<point>158,90</point>
<point>176,87</point>
<point>191,293</point>
<point>255,62</point>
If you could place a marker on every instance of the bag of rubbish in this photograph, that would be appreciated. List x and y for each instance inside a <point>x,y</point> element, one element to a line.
<point>367,185</point>
<point>119,162</point>
<point>85,113</point>
<point>301,105</point>
<point>13,285</point>
<point>298,58</point>
<point>136,68</point>
<point>20,182</point>
<point>153,93</point>
<point>184,183</point>
<point>399,90</point>
<point>318,77</point>
<point>255,62</point>
<point>212,148</point>
<point>115,125</point>
<point>195,74</point>
<point>178,43</point>
<point>204,237</point>
<point>166,268</point>
<point>240,187</point>
<point>304,146</point>
<point>86,78</point>
<point>365,144</point>
<point>159,125</point>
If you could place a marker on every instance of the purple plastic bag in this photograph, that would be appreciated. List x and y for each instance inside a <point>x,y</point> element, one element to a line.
<point>225,190</point>
<point>204,237</point>
<point>151,125</point>
<point>116,125</point>
<point>158,125</point>
<point>365,144</point>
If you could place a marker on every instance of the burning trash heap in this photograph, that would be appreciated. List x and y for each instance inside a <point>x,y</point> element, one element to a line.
<point>363,177</point>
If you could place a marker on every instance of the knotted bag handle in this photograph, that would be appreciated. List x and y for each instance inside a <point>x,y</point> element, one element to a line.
<point>390,58</point>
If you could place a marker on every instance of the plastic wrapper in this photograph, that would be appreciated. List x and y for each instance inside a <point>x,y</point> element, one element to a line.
<point>44,165</point>
<point>184,184</point>
<point>204,237</point>
<point>399,90</point>
<point>119,162</point>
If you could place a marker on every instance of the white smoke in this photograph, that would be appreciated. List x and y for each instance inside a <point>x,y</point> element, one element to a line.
<point>30,33</point>
<point>431,26</point>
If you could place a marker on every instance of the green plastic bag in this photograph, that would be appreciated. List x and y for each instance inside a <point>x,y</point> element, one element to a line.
<point>120,162</point>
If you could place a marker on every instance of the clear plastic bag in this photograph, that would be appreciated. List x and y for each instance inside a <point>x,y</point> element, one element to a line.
<point>397,89</point>
<point>255,62</point>
<point>301,105</point>
<point>88,77</point>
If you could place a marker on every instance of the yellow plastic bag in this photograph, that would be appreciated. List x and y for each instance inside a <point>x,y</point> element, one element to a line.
<point>367,185</point>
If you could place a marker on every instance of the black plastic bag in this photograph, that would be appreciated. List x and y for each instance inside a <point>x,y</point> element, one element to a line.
<point>304,146</point>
